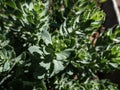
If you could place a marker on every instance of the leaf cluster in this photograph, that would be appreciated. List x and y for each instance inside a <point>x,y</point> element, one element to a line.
<point>44,45</point>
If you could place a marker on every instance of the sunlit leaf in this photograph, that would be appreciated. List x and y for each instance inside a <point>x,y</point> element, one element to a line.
<point>34,49</point>
<point>46,37</point>
<point>58,66</point>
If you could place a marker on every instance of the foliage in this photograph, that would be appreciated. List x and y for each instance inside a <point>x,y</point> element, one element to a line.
<point>45,45</point>
<point>65,84</point>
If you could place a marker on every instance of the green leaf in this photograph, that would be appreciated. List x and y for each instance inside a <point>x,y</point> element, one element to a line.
<point>6,66</point>
<point>18,13</point>
<point>60,56</point>
<point>64,54</point>
<point>43,85</point>
<point>11,3</point>
<point>115,65</point>
<point>46,37</point>
<point>36,49</point>
<point>30,19</point>
<point>41,76</point>
<point>20,58</point>
<point>58,66</point>
<point>66,3</point>
<point>45,65</point>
